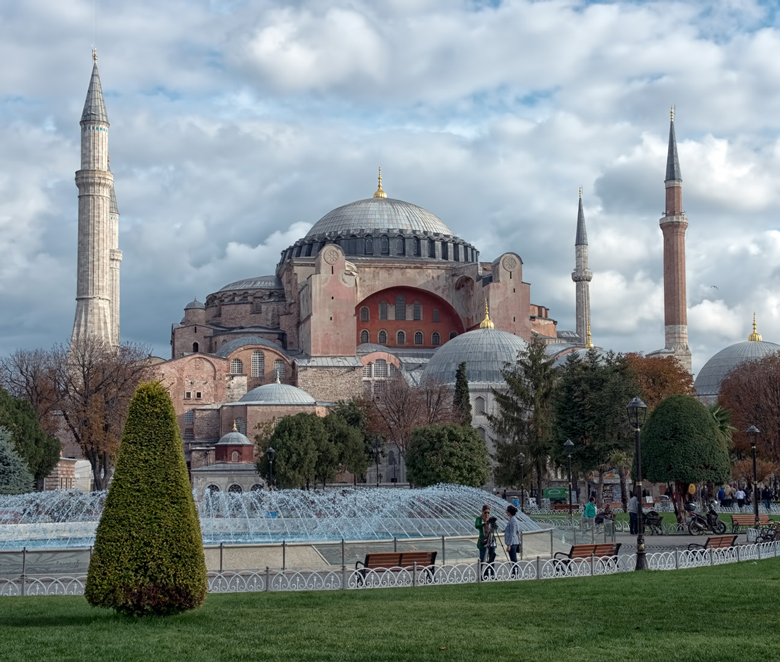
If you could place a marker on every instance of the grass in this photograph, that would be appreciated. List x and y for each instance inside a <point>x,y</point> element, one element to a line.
<point>720,613</point>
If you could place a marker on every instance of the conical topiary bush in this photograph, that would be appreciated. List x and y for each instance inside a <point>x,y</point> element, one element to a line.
<point>148,553</point>
<point>15,477</point>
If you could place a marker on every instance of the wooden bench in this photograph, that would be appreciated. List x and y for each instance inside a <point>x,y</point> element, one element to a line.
<point>565,507</point>
<point>588,551</point>
<point>715,542</point>
<point>396,561</point>
<point>748,521</point>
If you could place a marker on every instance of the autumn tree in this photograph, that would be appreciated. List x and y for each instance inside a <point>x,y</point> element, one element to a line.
<point>743,470</point>
<point>658,377</point>
<point>28,374</point>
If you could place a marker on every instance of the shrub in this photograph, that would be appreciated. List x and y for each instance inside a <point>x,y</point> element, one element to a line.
<point>447,454</point>
<point>148,554</point>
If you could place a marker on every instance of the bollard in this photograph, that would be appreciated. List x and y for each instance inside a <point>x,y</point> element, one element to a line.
<point>284,555</point>
<point>343,561</point>
<point>220,557</point>
<point>267,578</point>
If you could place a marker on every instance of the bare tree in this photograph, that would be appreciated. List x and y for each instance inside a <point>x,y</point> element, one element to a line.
<point>28,374</point>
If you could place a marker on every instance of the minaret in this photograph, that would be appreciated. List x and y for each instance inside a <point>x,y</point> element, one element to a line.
<point>116,262</point>
<point>673,225</point>
<point>95,242</point>
<point>582,276</point>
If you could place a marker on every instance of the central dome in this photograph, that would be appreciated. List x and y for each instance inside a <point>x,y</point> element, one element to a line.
<point>379,214</point>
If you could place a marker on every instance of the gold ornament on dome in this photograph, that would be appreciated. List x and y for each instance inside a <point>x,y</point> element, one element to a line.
<point>379,192</point>
<point>589,344</point>
<point>486,323</point>
<point>755,336</point>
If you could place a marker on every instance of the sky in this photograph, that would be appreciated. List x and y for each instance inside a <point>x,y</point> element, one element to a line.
<point>236,125</point>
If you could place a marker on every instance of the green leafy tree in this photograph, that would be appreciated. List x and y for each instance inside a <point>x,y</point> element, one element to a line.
<point>462,400</point>
<point>357,414</point>
<point>447,453</point>
<point>680,445</point>
<point>40,451</point>
<point>349,444</point>
<point>148,554</point>
<point>297,442</point>
<point>15,478</point>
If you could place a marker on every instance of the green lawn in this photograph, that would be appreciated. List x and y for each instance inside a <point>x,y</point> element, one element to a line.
<point>713,614</point>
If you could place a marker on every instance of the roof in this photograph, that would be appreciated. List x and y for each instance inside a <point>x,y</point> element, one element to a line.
<point>94,106</point>
<point>195,305</point>
<point>379,214</point>
<point>278,394</point>
<point>672,162</point>
<point>713,373</point>
<point>244,341</point>
<point>235,438</point>
<point>582,235</point>
<point>329,362</point>
<point>257,283</point>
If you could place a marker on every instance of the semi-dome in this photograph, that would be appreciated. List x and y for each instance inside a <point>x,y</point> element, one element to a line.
<point>485,351</point>
<point>257,283</point>
<point>713,373</point>
<point>278,394</point>
<point>379,214</point>
<point>234,438</point>
<point>195,305</point>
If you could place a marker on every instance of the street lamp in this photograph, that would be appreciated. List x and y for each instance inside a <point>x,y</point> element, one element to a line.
<point>568,447</point>
<point>377,451</point>
<point>753,433</point>
<point>521,457</point>
<point>637,410</point>
<point>271,454</point>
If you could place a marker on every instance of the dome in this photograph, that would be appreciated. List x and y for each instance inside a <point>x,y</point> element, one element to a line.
<point>195,305</point>
<point>486,353</point>
<point>379,214</point>
<point>713,373</point>
<point>229,347</point>
<point>258,283</point>
<point>278,394</point>
<point>234,438</point>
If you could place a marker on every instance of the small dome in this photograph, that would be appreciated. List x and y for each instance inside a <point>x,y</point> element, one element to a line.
<point>229,347</point>
<point>486,353</point>
<point>278,394</point>
<point>195,305</point>
<point>234,438</point>
<point>713,373</point>
<point>258,283</point>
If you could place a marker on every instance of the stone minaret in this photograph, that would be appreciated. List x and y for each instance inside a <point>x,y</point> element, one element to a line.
<point>673,225</point>
<point>582,276</point>
<point>96,240</point>
<point>116,261</point>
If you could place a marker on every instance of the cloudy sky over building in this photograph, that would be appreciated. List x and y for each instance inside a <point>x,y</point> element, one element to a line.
<point>236,125</point>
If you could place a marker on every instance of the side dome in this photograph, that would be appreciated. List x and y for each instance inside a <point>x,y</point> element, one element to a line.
<point>234,438</point>
<point>278,394</point>
<point>711,376</point>
<point>195,305</point>
<point>379,214</point>
<point>257,283</point>
<point>486,353</point>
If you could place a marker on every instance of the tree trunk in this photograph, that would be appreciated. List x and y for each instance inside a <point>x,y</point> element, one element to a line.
<point>623,488</point>
<point>679,501</point>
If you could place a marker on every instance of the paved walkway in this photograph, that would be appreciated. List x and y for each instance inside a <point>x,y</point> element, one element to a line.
<point>664,543</point>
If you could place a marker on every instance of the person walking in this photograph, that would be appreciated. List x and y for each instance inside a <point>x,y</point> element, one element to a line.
<point>721,493</point>
<point>486,543</point>
<point>633,515</point>
<point>512,537</point>
<point>740,495</point>
<point>766,495</point>
<point>589,514</point>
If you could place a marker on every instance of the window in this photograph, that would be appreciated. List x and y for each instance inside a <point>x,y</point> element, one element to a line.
<point>431,248</point>
<point>382,337</point>
<point>418,338</point>
<point>445,249</point>
<point>379,389</point>
<point>369,245</point>
<point>400,338</point>
<point>189,434</point>
<point>241,425</point>
<point>258,364</point>
<point>367,370</point>
<point>383,310</point>
<point>400,308</point>
<point>256,488</point>
<point>236,367</point>
<point>212,488</point>
<point>257,307</point>
<point>189,416</point>
<point>197,395</point>
<point>456,253</point>
<point>353,245</point>
<point>435,340</point>
<point>365,336</point>
<point>235,489</point>
<point>453,334</point>
<point>279,369</point>
<point>308,251</point>
<point>393,370</point>
<point>194,348</point>
<point>364,314</point>
<point>416,246</point>
<point>417,311</point>
<point>187,395</point>
<point>234,456</point>
<point>481,432</point>
<point>479,405</point>
<point>384,243</point>
<point>400,249</point>
<point>380,368</point>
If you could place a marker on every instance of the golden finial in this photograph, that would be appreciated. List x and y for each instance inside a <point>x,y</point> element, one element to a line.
<point>94,54</point>
<point>235,429</point>
<point>755,336</point>
<point>580,191</point>
<point>589,344</point>
<point>487,323</point>
<point>379,192</point>
<point>671,114</point>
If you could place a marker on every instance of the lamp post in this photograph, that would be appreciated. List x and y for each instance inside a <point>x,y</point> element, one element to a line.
<point>637,410</point>
<point>521,457</point>
<point>377,451</point>
<point>753,433</point>
<point>271,453</point>
<point>568,447</point>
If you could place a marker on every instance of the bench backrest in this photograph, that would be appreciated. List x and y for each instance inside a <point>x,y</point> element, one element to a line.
<point>420,558</point>
<point>744,520</point>
<point>720,541</point>
<point>383,560</point>
<point>586,551</point>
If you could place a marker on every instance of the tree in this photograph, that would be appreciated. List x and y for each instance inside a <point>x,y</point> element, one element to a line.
<point>680,445</point>
<point>357,414</point>
<point>462,399</point>
<point>15,478</point>
<point>40,451</point>
<point>296,440</point>
<point>743,470</point>
<point>447,454</point>
<point>658,377</point>
<point>94,383</point>
<point>349,444</point>
<point>525,418</point>
<point>27,374</point>
<point>148,553</point>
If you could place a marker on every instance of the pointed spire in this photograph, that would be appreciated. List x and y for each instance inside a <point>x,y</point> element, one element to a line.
<point>672,162</point>
<point>755,336</point>
<point>379,192</point>
<point>94,106</point>
<point>582,235</point>
<point>487,322</point>
<point>589,344</point>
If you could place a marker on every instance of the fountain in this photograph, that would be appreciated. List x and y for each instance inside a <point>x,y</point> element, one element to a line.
<point>67,519</point>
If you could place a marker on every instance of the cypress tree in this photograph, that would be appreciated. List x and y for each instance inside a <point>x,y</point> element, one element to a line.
<point>462,401</point>
<point>15,478</point>
<point>148,554</point>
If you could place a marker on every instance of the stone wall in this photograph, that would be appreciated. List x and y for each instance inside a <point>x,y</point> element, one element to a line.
<point>331,384</point>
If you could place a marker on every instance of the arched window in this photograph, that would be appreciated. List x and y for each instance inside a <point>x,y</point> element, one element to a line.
<point>194,348</point>
<point>367,370</point>
<point>234,456</point>
<point>416,244</point>
<point>393,370</point>
<point>241,425</point>
<point>353,245</point>
<point>453,334</point>
<point>431,248</point>
<point>308,250</point>
<point>418,338</point>
<point>236,367</point>
<point>258,364</point>
<point>435,340</point>
<point>257,307</point>
<point>279,369</point>
<point>189,416</point>
<point>382,337</point>
<point>445,251</point>
<point>391,458</point>
<point>435,315</point>
<point>256,488</point>
<point>417,311</point>
<point>481,432</point>
<point>383,310</point>
<point>380,368</point>
<point>384,244</point>
<point>235,489</point>
<point>364,314</point>
<point>400,246</point>
<point>365,336</point>
<point>400,338</point>
<point>456,252</point>
<point>369,245</point>
<point>400,307</point>
<point>213,489</point>
<point>479,405</point>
